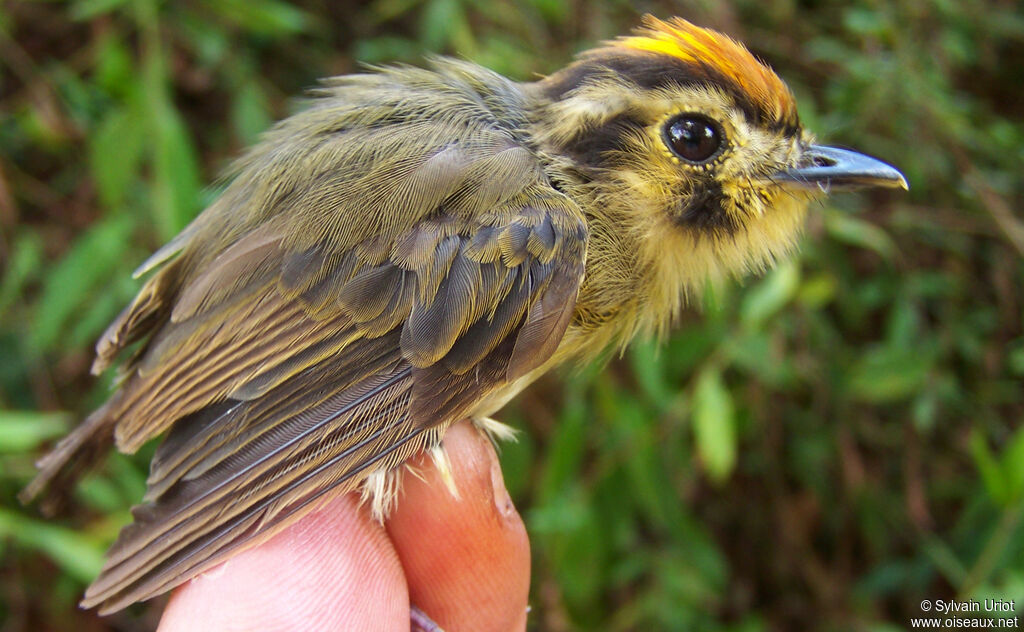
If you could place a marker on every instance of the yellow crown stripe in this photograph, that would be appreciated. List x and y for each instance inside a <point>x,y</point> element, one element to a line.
<point>667,47</point>
<point>692,44</point>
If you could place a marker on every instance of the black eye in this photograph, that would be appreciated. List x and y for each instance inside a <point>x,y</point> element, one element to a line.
<point>694,138</point>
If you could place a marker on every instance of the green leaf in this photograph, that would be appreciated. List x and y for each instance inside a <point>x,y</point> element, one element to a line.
<point>387,49</point>
<point>888,374</point>
<point>250,112</point>
<point>1013,466</point>
<point>24,264</point>
<point>770,295</point>
<point>554,11</point>
<point>756,352</point>
<point>175,166</point>
<point>88,9</point>
<point>853,231</point>
<point>115,70</point>
<point>115,152</point>
<point>84,270</point>
<point>988,467</point>
<point>714,425</point>
<point>23,430</point>
<point>268,18</point>
<point>565,447</point>
<point>1015,356</point>
<point>79,555</point>
<point>385,10</point>
<point>864,21</point>
<point>442,23</point>
<point>818,291</point>
<point>648,363</point>
<point>103,306</point>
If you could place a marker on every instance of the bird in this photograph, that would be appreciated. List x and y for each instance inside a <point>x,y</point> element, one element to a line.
<point>414,247</point>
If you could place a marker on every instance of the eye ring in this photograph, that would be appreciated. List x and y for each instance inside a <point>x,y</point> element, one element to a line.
<point>694,138</point>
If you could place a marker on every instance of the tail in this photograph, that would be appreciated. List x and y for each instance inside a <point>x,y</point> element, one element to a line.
<point>91,440</point>
<point>74,455</point>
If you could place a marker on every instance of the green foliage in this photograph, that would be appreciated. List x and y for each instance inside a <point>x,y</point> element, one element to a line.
<point>819,448</point>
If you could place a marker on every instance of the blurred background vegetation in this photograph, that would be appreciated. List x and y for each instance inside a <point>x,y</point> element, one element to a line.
<point>821,448</point>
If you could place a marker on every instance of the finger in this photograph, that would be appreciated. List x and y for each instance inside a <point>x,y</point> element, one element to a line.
<point>333,570</point>
<point>467,559</point>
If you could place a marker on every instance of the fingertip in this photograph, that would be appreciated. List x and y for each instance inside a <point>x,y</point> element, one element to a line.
<point>466,557</point>
<point>334,569</point>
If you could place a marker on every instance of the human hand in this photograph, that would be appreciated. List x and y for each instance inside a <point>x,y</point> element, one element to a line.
<point>464,562</point>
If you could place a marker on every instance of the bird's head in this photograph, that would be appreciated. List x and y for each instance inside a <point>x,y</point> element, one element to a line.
<point>692,156</point>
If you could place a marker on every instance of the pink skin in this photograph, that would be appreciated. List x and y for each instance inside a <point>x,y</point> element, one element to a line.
<point>465,562</point>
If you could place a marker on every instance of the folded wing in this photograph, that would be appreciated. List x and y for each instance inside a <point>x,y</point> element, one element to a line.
<point>295,357</point>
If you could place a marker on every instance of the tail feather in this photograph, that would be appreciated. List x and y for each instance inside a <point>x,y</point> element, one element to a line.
<point>74,455</point>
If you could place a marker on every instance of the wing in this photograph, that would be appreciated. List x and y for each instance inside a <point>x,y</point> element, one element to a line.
<point>342,320</point>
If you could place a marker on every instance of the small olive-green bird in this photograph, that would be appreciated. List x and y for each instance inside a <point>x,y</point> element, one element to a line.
<point>415,248</point>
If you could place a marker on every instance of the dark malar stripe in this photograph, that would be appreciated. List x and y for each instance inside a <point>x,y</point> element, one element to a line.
<point>702,210</point>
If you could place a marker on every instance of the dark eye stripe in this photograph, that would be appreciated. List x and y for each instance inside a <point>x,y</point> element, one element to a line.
<point>599,147</point>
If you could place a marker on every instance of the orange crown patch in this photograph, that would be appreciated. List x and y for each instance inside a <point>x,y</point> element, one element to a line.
<point>721,54</point>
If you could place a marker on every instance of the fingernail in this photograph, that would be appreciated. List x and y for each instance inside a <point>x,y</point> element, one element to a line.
<point>502,500</point>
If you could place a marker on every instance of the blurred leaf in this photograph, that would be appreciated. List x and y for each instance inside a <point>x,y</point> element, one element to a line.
<point>1015,359</point>
<point>87,9</point>
<point>250,112</point>
<point>387,49</point>
<point>444,26</point>
<point>83,330</point>
<point>79,556</point>
<point>565,448</point>
<point>121,478</point>
<point>175,165</point>
<point>904,324</point>
<point>770,295</point>
<point>646,359</point>
<point>887,374</point>
<point>643,468</point>
<point>989,468</point>
<point>864,21</point>
<point>115,68</point>
<point>817,291</point>
<point>210,41</point>
<point>383,10</point>
<point>1013,465</point>
<point>714,425</point>
<point>1003,476</point>
<point>177,171</point>
<point>269,18</point>
<point>24,430</point>
<point>692,344</point>
<point>755,353</point>
<point>553,10</point>
<point>857,232</point>
<point>24,263</point>
<point>85,269</point>
<point>115,152</point>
